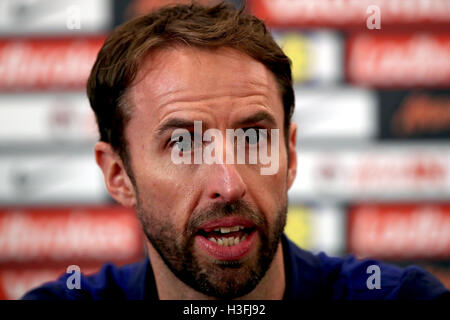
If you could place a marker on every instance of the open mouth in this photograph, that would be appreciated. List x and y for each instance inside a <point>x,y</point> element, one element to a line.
<point>227,239</point>
<point>227,236</point>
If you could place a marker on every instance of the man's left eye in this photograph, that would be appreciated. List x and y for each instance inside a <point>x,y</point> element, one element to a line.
<point>253,135</point>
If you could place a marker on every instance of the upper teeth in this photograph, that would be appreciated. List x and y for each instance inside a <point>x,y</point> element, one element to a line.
<point>230,229</point>
<point>228,241</point>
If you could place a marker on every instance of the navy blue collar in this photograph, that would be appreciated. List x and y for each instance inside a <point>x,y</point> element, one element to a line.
<point>302,272</point>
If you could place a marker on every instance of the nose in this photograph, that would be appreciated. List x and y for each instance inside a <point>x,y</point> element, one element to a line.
<point>225,183</point>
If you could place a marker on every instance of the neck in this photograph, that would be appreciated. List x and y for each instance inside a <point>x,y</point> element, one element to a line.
<point>271,286</point>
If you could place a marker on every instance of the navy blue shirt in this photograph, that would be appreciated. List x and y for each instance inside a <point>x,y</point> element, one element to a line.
<point>308,276</point>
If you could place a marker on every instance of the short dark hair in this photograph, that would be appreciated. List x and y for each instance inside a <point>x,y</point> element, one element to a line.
<point>199,26</point>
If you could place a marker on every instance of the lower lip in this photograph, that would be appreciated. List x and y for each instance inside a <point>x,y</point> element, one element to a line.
<point>235,252</point>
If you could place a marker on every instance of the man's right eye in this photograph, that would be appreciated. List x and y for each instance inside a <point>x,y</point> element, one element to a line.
<point>183,142</point>
<point>184,145</point>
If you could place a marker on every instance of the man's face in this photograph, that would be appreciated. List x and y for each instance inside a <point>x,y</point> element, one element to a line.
<point>216,226</point>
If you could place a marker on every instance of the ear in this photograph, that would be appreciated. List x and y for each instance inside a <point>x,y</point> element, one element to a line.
<point>292,169</point>
<point>117,181</point>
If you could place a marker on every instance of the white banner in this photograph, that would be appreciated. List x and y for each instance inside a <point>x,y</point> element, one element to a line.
<point>50,178</point>
<point>389,172</point>
<point>55,17</point>
<point>46,118</point>
<point>340,113</point>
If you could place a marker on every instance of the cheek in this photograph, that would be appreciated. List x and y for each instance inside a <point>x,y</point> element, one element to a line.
<point>275,186</point>
<point>163,195</point>
<point>277,182</point>
<point>269,192</point>
<point>162,186</point>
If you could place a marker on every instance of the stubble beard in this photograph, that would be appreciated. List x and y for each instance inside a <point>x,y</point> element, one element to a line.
<point>219,279</point>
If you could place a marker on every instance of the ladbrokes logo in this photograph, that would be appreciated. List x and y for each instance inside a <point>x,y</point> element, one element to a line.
<point>92,234</point>
<point>208,147</point>
<point>399,60</point>
<point>47,63</point>
<point>422,113</point>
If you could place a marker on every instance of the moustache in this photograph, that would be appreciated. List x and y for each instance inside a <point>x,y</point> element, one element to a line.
<point>239,208</point>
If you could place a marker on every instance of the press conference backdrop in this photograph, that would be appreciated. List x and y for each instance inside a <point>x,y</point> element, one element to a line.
<point>372,107</point>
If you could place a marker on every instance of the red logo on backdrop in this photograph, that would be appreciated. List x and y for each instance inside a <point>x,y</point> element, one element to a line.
<point>400,231</point>
<point>415,172</point>
<point>338,13</point>
<point>47,63</point>
<point>37,244</point>
<point>422,113</point>
<point>399,60</point>
<point>69,236</point>
<point>15,282</point>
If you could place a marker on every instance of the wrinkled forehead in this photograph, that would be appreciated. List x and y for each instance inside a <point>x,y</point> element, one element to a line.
<point>187,73</point>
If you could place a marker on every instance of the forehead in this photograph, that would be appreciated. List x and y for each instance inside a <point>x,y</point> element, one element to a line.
<point>188,74</point>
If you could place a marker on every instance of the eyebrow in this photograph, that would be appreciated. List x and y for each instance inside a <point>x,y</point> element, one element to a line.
<point>177,123</point>
<point>257,117</point>
<point>174,123</point>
